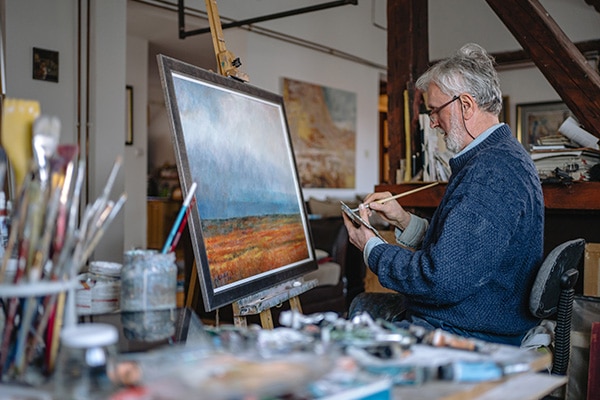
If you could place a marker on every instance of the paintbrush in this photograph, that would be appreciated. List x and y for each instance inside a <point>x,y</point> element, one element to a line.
<point>107,217</point>
<point>397,196</point>
<point>179,218</point>
<point>39,227</point>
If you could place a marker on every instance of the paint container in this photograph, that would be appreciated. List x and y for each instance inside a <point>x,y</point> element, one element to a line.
<point>148,281</point>
<point>86,358</point>
<point>471,371</point>
<point>97,294</point>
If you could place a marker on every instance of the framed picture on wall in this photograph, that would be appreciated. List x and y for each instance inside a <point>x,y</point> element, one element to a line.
<point>129,115</point>
<point>538,120</point>
<point>45,65</point>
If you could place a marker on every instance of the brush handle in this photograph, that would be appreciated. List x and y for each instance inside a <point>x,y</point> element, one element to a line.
<point>397,196</point>
<point>179,219</point>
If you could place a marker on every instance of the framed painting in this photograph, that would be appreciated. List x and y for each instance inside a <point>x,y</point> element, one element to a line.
<point>129,115</point>
<point>538,120</point>
<point>322,124</point>
<point>45,65</point>
<point>249,226</point>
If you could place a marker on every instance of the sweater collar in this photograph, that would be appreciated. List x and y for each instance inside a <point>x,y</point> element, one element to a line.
<point>494,135</point>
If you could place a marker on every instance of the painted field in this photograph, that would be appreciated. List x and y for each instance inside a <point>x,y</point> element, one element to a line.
<point>246,247</point>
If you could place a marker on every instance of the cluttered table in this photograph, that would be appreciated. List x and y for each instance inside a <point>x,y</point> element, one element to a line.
<point>319,356</point>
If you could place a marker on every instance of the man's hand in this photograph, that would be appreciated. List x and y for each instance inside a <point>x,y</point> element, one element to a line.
<point>391,210</point>
<point>358,235</point>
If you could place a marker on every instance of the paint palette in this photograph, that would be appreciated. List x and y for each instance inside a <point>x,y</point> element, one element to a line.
<point>358,220</point>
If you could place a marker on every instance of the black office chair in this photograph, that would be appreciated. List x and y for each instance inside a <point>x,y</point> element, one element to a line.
<point>552,295</point>
<point>387,306</point>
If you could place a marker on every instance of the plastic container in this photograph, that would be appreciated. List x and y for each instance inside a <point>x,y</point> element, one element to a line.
<point>148,281</point>
<point>86,356</point>
<point>97,294</point>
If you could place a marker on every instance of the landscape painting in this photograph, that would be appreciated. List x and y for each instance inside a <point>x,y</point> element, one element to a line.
<point>322,124</point>
<point>249,226</point>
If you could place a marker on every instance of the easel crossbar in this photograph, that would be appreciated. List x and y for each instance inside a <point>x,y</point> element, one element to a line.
<point>273,297</point>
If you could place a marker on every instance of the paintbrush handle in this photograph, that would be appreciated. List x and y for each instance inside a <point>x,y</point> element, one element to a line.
<point>397,196</point>
<point>179,218</point>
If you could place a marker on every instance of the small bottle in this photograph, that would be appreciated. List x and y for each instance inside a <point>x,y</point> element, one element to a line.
<point>86,356</point>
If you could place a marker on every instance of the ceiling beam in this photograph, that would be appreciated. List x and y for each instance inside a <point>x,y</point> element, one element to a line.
<point>559,60</point>
<point>594,3</point>
<point>183,33</point>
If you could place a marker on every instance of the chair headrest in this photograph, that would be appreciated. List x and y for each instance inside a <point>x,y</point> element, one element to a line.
<point>547,285</point>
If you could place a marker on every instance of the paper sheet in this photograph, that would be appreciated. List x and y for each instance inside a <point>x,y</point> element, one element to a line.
<point>571,129</point>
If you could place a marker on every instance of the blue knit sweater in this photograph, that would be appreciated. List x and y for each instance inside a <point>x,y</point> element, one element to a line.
<point>480,254</point>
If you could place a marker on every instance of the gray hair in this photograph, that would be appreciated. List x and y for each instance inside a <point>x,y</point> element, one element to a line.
<point>470,70</point>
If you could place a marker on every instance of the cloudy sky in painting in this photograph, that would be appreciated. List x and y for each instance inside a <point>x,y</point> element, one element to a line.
<point>237,150</point>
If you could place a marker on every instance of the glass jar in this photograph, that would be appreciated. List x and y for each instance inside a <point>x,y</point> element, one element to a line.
<point>148,281</point>
<point>86,356</point>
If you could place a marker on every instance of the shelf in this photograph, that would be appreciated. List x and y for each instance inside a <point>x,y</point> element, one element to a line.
<point>578,196</point>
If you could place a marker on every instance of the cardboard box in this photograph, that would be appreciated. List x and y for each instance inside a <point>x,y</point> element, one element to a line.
<point>591,270</point>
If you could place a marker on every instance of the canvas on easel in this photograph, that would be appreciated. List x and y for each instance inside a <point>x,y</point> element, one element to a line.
<point>249,227</point>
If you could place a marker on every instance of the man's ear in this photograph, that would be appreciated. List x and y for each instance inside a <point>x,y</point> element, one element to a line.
<point>467,102</point>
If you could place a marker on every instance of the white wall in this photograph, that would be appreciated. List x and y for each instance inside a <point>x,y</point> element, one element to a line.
<point>136,155</point>
<point>107,114</point>
<point>50,26</point>
<point>53,25</point>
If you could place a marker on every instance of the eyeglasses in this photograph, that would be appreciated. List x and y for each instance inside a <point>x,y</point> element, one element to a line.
<point>434,111</point>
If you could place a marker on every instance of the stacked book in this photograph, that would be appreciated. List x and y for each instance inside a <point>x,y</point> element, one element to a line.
<point>573,163</point>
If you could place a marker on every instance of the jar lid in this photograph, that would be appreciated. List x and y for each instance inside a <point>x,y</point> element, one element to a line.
<point>89,335</point>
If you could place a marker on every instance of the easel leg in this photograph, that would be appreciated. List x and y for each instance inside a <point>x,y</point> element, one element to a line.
<point>295,304</point>
<point>266,319</point>
<point>238,320</point>
<point>191,290</point>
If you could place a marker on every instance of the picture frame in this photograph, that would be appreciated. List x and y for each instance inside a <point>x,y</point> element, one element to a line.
<point>249,225</point>
<point>537,120</point>
<point>45,65</point>
<point>129,115</point>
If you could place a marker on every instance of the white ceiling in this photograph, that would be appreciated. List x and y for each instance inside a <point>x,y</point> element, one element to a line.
<point>159,25</point>
<point>157,22</point>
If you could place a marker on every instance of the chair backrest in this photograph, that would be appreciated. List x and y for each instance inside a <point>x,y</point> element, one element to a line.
<point>547,286</point>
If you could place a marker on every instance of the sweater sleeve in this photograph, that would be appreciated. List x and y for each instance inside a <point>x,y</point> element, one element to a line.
<point>412,236</point>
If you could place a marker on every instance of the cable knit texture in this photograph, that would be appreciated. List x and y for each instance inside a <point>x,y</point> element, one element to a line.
<point>476,265</point>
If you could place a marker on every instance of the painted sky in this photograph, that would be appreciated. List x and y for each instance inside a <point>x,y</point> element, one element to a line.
<point>238,152</point>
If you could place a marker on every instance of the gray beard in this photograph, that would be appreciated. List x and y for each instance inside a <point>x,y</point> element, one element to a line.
<point>452,138</point>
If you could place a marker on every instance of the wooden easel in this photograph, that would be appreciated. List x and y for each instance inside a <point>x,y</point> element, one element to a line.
<point>261,302</point>
<point>258,303</point>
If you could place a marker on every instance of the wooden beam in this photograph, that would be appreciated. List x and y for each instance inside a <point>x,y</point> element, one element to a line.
<point>563,65</point>
<point>408,56</point>
<point>510,59</point>
<point>594,3</point>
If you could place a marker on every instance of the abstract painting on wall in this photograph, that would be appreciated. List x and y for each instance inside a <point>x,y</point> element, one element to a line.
<point>322,124</point>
